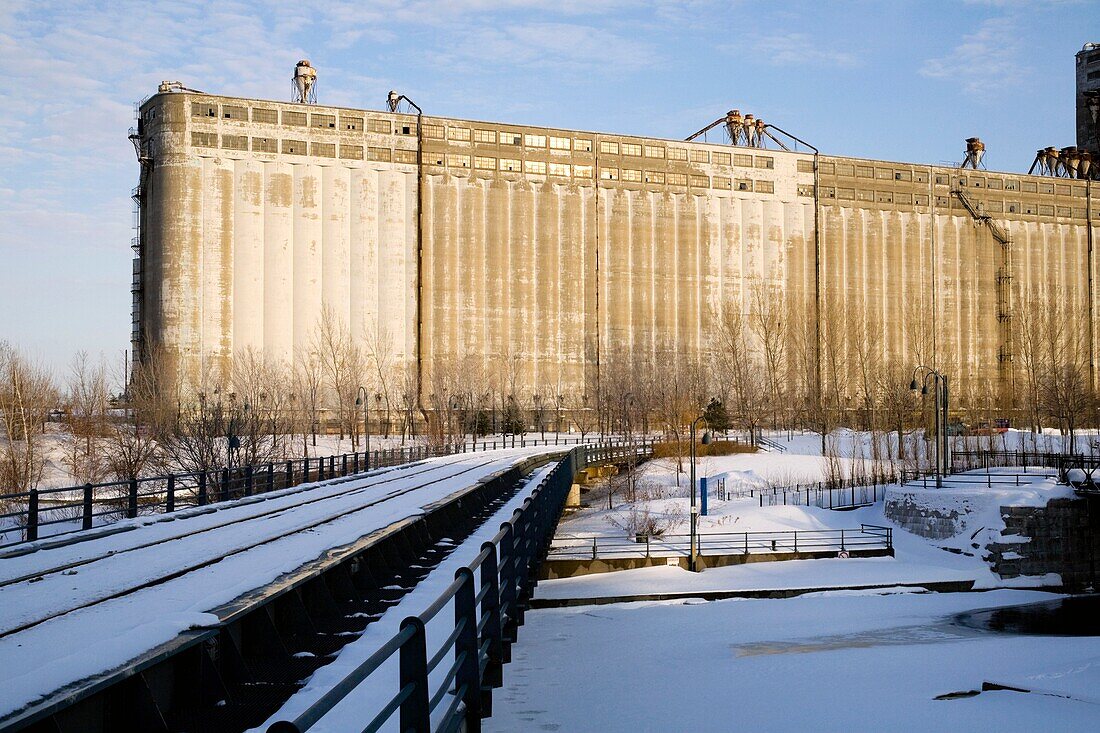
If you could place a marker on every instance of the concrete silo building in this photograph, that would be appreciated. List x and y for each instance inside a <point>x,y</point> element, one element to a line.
<point>545,252</point>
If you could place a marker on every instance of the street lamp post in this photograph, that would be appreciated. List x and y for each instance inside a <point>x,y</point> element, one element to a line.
<point>362,399</point>
<point>694,557</point>
<point>941,403</point>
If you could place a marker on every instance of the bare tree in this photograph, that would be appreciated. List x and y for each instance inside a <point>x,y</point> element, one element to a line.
<point>27,394</point>
<point>86,417</point>
<point>307,382</point>
<point>344,368</point>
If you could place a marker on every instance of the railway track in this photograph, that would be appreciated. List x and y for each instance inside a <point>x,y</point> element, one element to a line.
<point>333,514</point>
<point>48,581</point>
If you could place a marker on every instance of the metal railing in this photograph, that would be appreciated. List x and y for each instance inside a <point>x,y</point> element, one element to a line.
<point>968,460</point>
<point>594,547</point>
<point>450,688</point>
<point>50,512</point>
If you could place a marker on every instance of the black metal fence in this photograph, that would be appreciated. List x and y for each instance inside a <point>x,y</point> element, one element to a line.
<point>592,547</point>
<point>49,512</point>
<point>450,688</point>
<point>962,460</point>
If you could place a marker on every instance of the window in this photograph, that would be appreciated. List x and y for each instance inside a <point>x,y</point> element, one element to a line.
<point>294,147</point>
<point>721,158</point>
<point>903,176</point>
<point>404,156</point>
<point>379,126</point>
<point>905,199</point>
<point>677,154</point>
<point>298,119</point>
<point>268,116</point>
<point>631,175</point>
<point>509,138</point>
<point>1062,190</point>
<point>805,190</point>
<point>265,145</point>
<point>230,112</point>
<point>846,194</point>
<point>677,179</point>
<point>829,169</point>
<point>828,192</point>
<point>941,180</point>
<point>558,169</point>
<point>1029,209</point>
<point>741,184</point>
<point>383,155</point>
<point>1046,188</point>
<point>1028,187</point>
<point>323,150</point>
<point>1046,210</point>
<point>699,181</point>
<point>351,123</point>
<point>920,177</point>
<point>1012,207</point>
<point>609,174</point>
<point>325,122</point>
<point>805,166</point>
<point>724,183</point>
<point>484,163</point>
<point>435,132</point>
<point>632,149</point>
<point>582,171</point>
<point>654,151</point>
<point>458,161</point>
<point>535,166</point>
<point>700,156</point>
<point>608,147</point>
<point>765,187</point>
<point>202,109</point>
<point>485,136</point>
<point>765,161</point>
<point>581,145</point>
<point>432,158</point>
<point>865,195</point>
<point>559,143</point>
<point>995,207</point>
<point>994,184</point>
<point>865,171</point>
<point>654,177</point>
<point>459,133</point>
<point>534,141</point>
<point>204,139</point>
<point>977,182</point>
<point>235,142</point>
<point>509,164</point>
<point>355,152</point>
<point>920,199</point>
<point>884,174</point>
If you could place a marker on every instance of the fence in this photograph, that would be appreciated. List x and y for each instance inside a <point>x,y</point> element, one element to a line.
<point>36,514</point>
<point>1062,462</point>
<point>489,597</point>
<point>577,547</point>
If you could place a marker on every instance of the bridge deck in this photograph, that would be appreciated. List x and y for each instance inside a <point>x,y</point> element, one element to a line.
<point>83,607</point>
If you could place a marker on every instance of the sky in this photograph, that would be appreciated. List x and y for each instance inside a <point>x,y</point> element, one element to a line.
<point>889,79</point>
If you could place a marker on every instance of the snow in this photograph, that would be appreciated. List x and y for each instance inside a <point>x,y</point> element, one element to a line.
<point>376,691</point>
<point>87,641</point>
<point>831,661</point>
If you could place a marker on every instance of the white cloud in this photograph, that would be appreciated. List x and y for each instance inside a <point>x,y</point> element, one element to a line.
<point>984,62</point>
<point>797,49</point>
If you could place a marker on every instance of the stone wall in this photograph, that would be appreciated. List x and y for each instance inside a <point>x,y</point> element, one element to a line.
<point>1059,538</point>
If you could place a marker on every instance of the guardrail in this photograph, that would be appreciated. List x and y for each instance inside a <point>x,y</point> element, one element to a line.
<point>595,547</point>
<point>968,460</point>
<point>489,597</point>
<point>50,512</point>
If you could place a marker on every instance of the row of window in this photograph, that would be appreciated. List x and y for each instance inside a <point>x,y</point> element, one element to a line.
<point>478,162</point>
<point>917,199</point>
<point>479,135</point>
<point>944,179</point>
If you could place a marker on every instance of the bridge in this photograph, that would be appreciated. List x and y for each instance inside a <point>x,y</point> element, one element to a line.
<point>396,590</point>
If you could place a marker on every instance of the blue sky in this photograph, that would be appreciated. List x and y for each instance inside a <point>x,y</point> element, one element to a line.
<point>888,79</point>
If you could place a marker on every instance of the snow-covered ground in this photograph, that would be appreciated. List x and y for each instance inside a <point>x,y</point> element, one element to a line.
<point>833,660</point>
<point>847,661</point>
<point>94,636</point>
